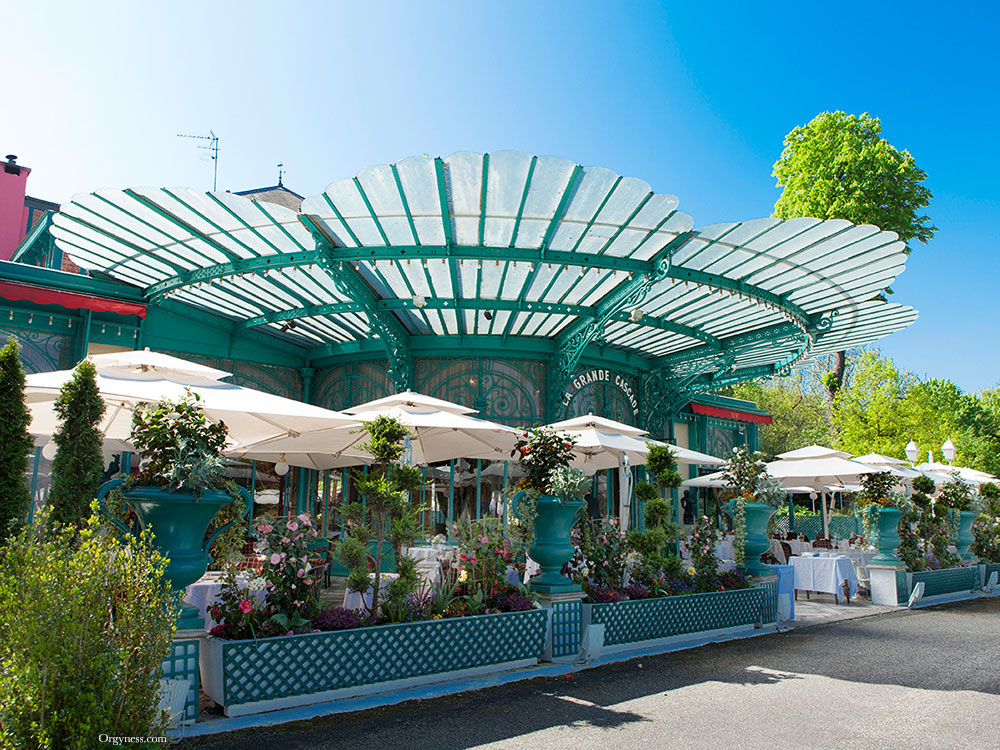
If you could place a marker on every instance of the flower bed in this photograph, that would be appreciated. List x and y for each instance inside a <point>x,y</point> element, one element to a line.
<point>250,676</point>
<point>635,621</point>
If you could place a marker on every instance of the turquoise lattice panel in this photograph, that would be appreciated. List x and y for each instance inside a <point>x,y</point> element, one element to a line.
<point>567,628</point>
<point>812,526</point>
<point>183,662</point>
<point>902,587</point>
<point>769,602</point>
<point>647,619</point>
<point>992,568</point>
<point>951,581</point>
<point>317,662</point>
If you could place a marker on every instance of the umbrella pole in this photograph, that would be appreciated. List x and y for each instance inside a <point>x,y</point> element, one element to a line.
<point>253,491</point>
<point>34,484</point>
<point>506,466</point>
<point>479,487</point>
<point>609,486</point>
<point>423,502</point>
<point>326,502</point>
<point>451,495</point>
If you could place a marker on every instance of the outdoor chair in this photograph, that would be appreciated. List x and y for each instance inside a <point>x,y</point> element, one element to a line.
<point>823,543</point>
<point>787,549</point>
<point>791,536</point>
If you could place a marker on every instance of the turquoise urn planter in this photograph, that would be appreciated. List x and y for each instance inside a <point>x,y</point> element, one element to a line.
<point>552,546</point>
<point>888,537</point>
<point>965,537</point>
<point>178,521</point>
<point>757,516</point>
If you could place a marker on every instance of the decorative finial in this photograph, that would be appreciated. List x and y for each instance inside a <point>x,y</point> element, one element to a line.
<point>281,173</point>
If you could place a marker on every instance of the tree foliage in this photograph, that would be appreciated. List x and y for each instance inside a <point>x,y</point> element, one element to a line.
<point>839,166</point>
<point>15,442</point>
<point>79,461</point>
<point>799,414</point>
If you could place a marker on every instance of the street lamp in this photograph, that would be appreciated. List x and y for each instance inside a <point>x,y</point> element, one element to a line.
<point>912,451</point>
<point>948,449</point>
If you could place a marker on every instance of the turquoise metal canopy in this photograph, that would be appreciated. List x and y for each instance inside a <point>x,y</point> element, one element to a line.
<point>506,246</point>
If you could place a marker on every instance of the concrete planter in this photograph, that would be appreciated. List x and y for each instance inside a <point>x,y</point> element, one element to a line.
<point>252,676</point>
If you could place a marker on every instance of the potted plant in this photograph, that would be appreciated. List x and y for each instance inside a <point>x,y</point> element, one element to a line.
<point>881,511</point>
<point>757,499</point>
<point>956,495</point>
<point>178,490</point>
<point>556,493</point>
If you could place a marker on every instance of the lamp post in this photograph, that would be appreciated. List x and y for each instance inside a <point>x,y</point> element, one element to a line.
<point>912,451</point>
<point>948,449</point>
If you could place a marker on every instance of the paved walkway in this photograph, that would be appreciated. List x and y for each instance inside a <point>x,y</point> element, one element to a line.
<point>916,679</point>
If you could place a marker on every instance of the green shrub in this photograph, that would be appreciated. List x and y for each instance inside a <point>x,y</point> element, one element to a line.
<point>85,623</point>
<point>15,442</point>
<point>79,462</point>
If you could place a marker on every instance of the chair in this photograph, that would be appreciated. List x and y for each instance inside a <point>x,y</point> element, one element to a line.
<point>787,549</point>
<point>864,580</point>
<point>791,536</point>
<point>822,543</point>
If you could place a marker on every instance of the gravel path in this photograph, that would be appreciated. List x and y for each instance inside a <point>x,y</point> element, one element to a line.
<point>910,679</point>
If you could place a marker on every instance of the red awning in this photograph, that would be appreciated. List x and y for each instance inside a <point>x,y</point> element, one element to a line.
<point>70,300</point>
<point>733,414</point>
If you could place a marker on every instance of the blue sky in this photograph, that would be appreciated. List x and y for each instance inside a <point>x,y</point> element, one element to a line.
<point>695,98</point>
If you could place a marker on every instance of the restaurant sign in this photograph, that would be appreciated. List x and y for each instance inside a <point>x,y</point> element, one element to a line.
<point>602,376</point>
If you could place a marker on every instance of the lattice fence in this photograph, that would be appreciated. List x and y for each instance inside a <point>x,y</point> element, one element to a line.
<point>183,662</point>
<point>769,602</point>
<point>951,581</point>
<point>567,628</point>
<point>317,662</point>
<point>992,568</point>
<point>647,619</point>
<point>812,526</point>
<point>902,587</point>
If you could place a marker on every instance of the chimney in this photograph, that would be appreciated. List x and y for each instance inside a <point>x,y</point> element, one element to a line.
<point>13,214</point>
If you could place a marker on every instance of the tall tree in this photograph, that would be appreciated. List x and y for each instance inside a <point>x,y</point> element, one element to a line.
<point>15,442</point>
<point>799,414</point>
<point>869,409</point>
<point>839,167</point>
<point>79,461</point>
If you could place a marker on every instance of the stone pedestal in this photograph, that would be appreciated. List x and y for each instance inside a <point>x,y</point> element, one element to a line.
<point>883,585</point>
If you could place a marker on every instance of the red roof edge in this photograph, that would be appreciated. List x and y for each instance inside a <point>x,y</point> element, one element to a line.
<point>733,414</point>
<point>71,300</point>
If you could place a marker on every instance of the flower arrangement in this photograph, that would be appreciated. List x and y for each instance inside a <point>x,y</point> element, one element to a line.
<point>568,483</point>
<point>701,545</point>
<point>287,581</point>
<point>539,451</point>
<point>743,472</point>
<point>601,560</point>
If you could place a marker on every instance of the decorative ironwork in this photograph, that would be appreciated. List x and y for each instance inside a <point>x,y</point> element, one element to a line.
<point>41,352</point>
<point>567,628</point>
<point>949,581</point>
<point>769,604</point>
<point>392,334</point>
<point>509,391</point>
<point>579,335</point>
<point>351,384</point>
<point>606,399</point>
<point>281,381</point>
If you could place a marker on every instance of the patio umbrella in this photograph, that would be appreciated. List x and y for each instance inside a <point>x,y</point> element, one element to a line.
<point>436,433</point>
<point>819,473</point>
<point>811,451</point>
<point>125,382</point>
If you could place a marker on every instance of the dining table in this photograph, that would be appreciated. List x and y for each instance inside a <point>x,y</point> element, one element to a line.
<point>824,573</point>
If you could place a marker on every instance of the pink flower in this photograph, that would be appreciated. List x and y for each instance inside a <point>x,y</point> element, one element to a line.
<point>275,558</point>
<point>308,582</point>
<point>292,526</point>
<point>484,540</point>
<point>265,528</point>
<point>301,573</point>
<point>462,557</point>
<point>246,606</point>
<point>290,632</point>
<point>473,561</point>
<point>285,540</point>
<point>304,517</point>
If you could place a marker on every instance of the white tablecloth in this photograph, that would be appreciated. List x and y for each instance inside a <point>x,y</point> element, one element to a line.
<point>824,574</point>
<point>428,552</point>
<point>204,592</point>
<point>353,600</point>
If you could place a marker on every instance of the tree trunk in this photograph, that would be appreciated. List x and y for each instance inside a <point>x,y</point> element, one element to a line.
<point>833,382</point>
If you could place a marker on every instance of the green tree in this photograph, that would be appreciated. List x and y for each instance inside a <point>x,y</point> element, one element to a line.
<point>79,461</point>
<point>869,411</point>
<point>15,442</point>
<point>839,166</point>
<point>799,414</point>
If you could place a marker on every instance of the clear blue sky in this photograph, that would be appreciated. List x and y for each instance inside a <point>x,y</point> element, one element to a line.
<point>695,98</point>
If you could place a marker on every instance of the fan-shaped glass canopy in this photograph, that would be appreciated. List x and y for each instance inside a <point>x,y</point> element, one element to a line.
<point>503,246</point>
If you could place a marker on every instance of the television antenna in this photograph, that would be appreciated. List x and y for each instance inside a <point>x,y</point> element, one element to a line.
<point>212,148</point>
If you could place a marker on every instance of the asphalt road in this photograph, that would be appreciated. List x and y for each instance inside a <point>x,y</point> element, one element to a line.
<point>910,679</point>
